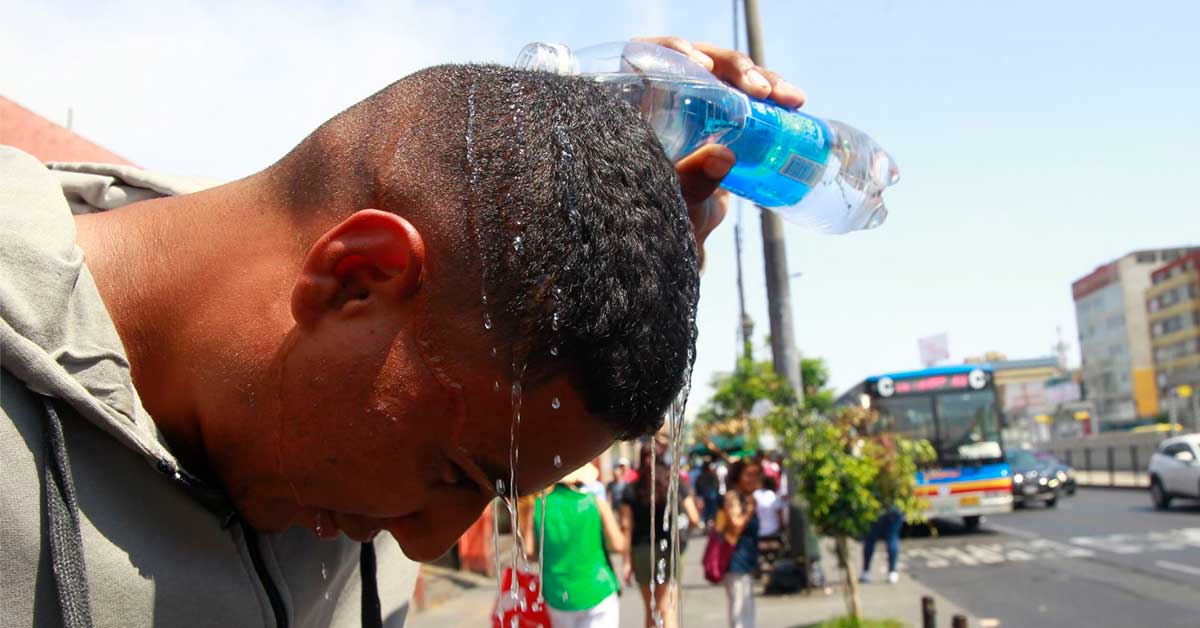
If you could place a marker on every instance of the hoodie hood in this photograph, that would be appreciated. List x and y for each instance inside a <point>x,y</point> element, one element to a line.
<point>55,332</point>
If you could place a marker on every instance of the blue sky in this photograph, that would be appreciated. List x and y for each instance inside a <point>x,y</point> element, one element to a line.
<point>1036,140</point>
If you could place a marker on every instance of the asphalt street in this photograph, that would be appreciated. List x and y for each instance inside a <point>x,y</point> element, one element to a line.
<point>1103,558</point>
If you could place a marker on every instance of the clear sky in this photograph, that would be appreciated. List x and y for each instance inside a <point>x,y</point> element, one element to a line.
<point>1037,140</point>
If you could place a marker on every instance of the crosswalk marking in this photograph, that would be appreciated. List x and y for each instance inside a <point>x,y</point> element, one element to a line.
<point>1166,564</point>
<point>1027,549</point>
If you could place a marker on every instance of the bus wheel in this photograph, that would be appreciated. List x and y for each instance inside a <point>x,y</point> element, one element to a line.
<point>972,523</point>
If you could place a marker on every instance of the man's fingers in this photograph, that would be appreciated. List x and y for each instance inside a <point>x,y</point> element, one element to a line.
<point>737,69</point>
<point>702,171</point>
<point>682,45</point>
<point>782,91</point>
<point>740,70</point>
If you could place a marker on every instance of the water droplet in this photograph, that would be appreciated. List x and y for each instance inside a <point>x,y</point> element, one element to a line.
<point>554,321</point>
<point>327,595</point>
<point>500,487</point>
<point>517,244</point>
<point>178,476</point>
<point>554,403</point>
<point>516,621</point>
<point>564,596</point>
<point>533,585</point>
<point>324,572</point>
<point>484,298</point>
<point>662,544</point>
<point>557,462</point>
<point>496,386</point>
<point>487,321</point>
<point>554,350</point>
<point>493,352</point>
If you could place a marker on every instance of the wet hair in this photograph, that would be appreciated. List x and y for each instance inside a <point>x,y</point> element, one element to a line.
<point>545,196</point>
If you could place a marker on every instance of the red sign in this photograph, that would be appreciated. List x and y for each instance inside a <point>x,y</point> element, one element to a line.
<point>932,383</point>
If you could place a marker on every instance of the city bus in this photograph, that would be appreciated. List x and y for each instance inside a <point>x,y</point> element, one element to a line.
<point>955,409</point>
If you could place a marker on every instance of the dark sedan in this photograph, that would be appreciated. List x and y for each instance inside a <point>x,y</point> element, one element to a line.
<point>1062,471</point>
<point>1034,479</point>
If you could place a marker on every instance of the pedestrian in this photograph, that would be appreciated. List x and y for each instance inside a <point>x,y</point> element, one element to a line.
<point>887,527</point>
<point>214,398</point>
<point>708,488</point>
<point>739,525</point>
<point>581,531</point>
<point>647,560</point>
<point>772,519</point>
<point>891,520</point>
<point>616,488</point>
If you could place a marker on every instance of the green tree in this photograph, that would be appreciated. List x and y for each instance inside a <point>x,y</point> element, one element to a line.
<point>847,479</point>
<point>818,396</point>
<point>735,393</point>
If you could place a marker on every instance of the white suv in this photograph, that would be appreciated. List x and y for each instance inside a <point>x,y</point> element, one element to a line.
<point>1175,470</point>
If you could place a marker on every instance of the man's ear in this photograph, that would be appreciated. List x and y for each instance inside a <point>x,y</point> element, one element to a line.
<point>369,256</point>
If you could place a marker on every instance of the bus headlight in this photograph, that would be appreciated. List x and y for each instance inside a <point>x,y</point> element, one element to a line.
<point>1018,478</point>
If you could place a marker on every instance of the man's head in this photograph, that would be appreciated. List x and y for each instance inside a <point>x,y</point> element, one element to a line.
<point>476,240</point>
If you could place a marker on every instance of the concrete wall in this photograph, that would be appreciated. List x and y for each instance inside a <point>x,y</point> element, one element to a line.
<point>1127,449</point>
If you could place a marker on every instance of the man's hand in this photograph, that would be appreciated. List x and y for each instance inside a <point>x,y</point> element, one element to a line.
<point>701,172</point>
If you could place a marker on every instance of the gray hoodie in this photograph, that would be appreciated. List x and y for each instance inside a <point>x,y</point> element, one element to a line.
<point>99,523</point>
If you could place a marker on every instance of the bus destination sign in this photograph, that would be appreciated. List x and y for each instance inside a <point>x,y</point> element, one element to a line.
<point>976,379</point>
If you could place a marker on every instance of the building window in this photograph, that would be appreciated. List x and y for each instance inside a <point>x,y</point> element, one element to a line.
<point>1147,258</point>
<point>1156,329</point>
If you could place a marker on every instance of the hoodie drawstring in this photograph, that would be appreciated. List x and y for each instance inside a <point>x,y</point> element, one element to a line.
<point>62,524</point>
<point>372,613</point>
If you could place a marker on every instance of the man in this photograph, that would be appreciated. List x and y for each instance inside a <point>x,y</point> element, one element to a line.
<point>616,488</point>
<point>472,268</point>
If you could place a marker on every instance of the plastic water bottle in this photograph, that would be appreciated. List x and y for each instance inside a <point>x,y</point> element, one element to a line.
<point>822,174</point>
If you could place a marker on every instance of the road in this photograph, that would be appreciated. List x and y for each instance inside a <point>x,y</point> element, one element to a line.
<point>1103,558</point>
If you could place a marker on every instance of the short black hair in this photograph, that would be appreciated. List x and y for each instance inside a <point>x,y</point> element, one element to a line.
<point>581,255</point>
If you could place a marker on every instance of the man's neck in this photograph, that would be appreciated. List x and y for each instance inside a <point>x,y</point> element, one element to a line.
<point>178,277</point>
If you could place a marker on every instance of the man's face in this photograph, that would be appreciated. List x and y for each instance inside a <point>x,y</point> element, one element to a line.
<point>621,471</point>
<point>377,430</point>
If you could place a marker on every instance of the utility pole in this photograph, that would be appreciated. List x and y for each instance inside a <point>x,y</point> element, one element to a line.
<point>779,292</point>
<point>746,324</point>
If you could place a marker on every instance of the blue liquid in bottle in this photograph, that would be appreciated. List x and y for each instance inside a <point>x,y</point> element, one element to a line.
<point>819,173</point>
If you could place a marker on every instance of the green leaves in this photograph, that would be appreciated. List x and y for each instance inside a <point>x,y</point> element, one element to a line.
<point>847,475</point>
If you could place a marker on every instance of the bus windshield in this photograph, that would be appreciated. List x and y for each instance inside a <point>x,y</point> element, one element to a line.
<point>968,428</point>
<point>965,428</point>
<point>911,417</point>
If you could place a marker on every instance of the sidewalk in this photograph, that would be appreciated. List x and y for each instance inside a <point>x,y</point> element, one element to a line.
<point>704,604</point>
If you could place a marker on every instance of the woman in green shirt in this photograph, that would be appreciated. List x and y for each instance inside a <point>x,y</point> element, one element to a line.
<point>578,583</point>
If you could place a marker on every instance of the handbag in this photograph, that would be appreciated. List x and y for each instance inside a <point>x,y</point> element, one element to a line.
<point>526,610</point>
<point>718,553</point>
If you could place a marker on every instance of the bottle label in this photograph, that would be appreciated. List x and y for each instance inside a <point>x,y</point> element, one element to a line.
<point>802,169</point>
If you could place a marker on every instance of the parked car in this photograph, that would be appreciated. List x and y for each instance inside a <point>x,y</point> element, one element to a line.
<point>1062,471</point>
<point>1033,479</point>
<point>1175,470</point>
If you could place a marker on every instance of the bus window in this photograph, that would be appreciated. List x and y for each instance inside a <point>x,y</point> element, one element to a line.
<point>968,426</point>
<point>909,416</point>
